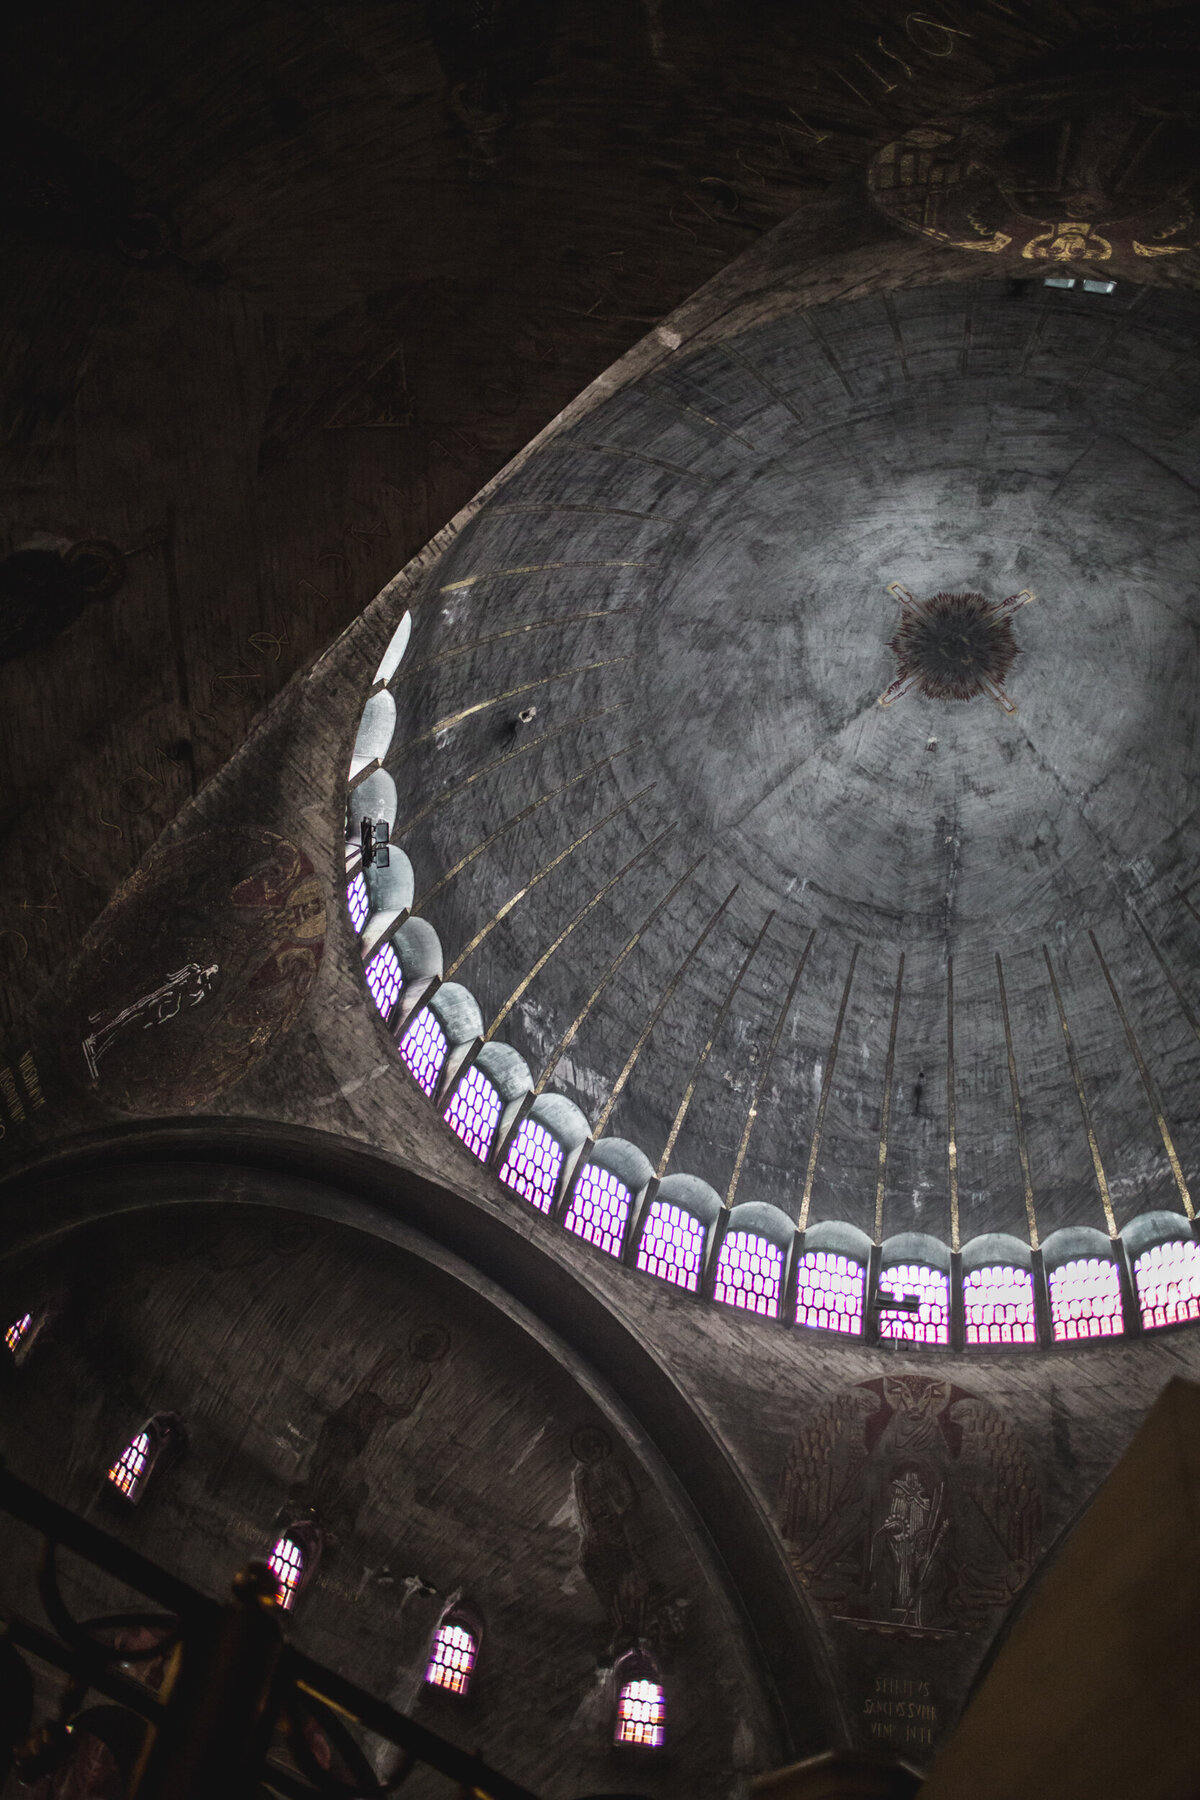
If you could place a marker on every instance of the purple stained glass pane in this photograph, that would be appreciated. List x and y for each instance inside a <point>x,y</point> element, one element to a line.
<point>998,1306</point>
<point>423,1050</point>
<point>829,1292</point>
<point>599,1209</point>
<point>672,1246</point>
<point>929,1322</point>
<point>1168,1283</point>
<point>474,1112</point>
<point>451,1658</point>
<point>385,980</point>
<point>358,901</point>
<point>1085,1299</point>
<point>641,1714</point>
<point>749,1273</point>
<point>533,1164</point>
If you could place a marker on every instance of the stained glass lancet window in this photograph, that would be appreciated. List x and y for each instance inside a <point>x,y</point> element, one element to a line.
<point>1085,1299</point>
<point>474,1112</point>
<point>423,1050</point>
<point>599,1209</point>
<point>749,1273</point>
<point>533,1163</point>
<point>385,980</point>
<point>452,1656</point>
<point>829,1292</point>
<point>1168,1283</point>
<point>130,1469</point>
<point>929,1321</point>
<point>998,1306</point>
<point>286,1563</point>
<point>672,1245</point>
<point>17,1331</point>
<point>358,900</point>
<point>641,1714</point>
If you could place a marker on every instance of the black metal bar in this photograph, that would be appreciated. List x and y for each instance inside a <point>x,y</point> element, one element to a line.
<point>115,1686</point>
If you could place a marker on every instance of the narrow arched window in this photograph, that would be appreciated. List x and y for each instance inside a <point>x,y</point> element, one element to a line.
<point>474,1112</point>
<point>385,978</point>
<point>288,1565</point>
<point>148,1450</point>
<point>17,1333</point>
<point>599,1208</point>
<point>533,1164</point>
<point>358,901</point>
<point>749,1273</point>
<point>641,1720</point>
<point>830,1291</point>
<point>1085,1299</point>
<point>1168,1283</point>
<point>423,1051</point>
<point>923,1313</point>
<point>998,1306</point>
<point>453,1652</point>
<point>672,1245</point>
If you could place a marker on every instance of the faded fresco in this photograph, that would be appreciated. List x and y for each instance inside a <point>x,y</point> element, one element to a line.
<point>911,1508</point>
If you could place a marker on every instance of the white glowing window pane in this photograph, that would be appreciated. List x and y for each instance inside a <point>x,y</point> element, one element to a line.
<point>358,901</point>
<point>672,1246</point>
<point>1085,1299</point>
<point>17,1330</point>
<point>1168,1283</point>
<point>641,1714</point>
<point>599,1209</point>
<point>830,1291</point>
<point>451,1659</point>
<point>929,1322</point>
<point>286,1563</point>
<point>474,1112</point>
<point>423,1050</point>
<point>126,1473</point>
<point>385,979</point>
<point>998,1306</point>
<point>533,1163</point>
<point>749,1273</point>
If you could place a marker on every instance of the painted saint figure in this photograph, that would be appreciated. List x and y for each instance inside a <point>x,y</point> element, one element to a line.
<point>912,1532</point>
<point>190,983</point>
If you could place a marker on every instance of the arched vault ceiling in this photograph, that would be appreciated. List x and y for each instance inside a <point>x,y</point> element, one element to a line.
<point>689,584</point>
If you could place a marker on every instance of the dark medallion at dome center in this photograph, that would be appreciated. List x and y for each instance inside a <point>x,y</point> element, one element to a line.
<point>954,646</point>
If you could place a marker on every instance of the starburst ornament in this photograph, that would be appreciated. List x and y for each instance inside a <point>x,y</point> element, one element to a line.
<point>954,646</point>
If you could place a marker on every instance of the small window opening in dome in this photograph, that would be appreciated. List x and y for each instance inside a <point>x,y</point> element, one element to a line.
<point>17,1332</point>
<point>533,1163</point>
<point>129,1471</point>
<point>641,1714</point>
<point>998,1306</point>
<point>385,978</point>
<point>928,1322</point>
<point>452,1656</point>
<point>599,1209</point>
<point>423,1051</point>
<point>1059,281</point>
<point>1167,1277</point>
<point>287,1563</point>
<point>830,1291</point>
<point>1085,1299</point>
<point>358,901</point>
<point>749,1273</point>
<point>1099,287</point>
<point>474,1112</point>
<point>672,1246</point>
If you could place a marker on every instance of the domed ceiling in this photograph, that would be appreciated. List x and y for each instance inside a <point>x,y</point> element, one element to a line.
<point>639,729</point>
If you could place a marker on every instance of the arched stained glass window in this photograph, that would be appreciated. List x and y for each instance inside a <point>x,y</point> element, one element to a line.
<point>641,1713</point>
<point>749,1273</point>
<point>452,1656</point>
<point>423,1051</point>
<point>672,1245</point>
<point>1168,1283</point>
<point>830,1290</point>
<point>998,1306</point>
<point>533,1163</point>
<point>926,1323</point>
<point>599,1209</point>
<point>385,980</point>
<point>287,1563</point>
<point>474,1112</point>
<point>1085,1299</point>
<point>130,1469</point>
<point>17,1332</point>
<point>358,901</point>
